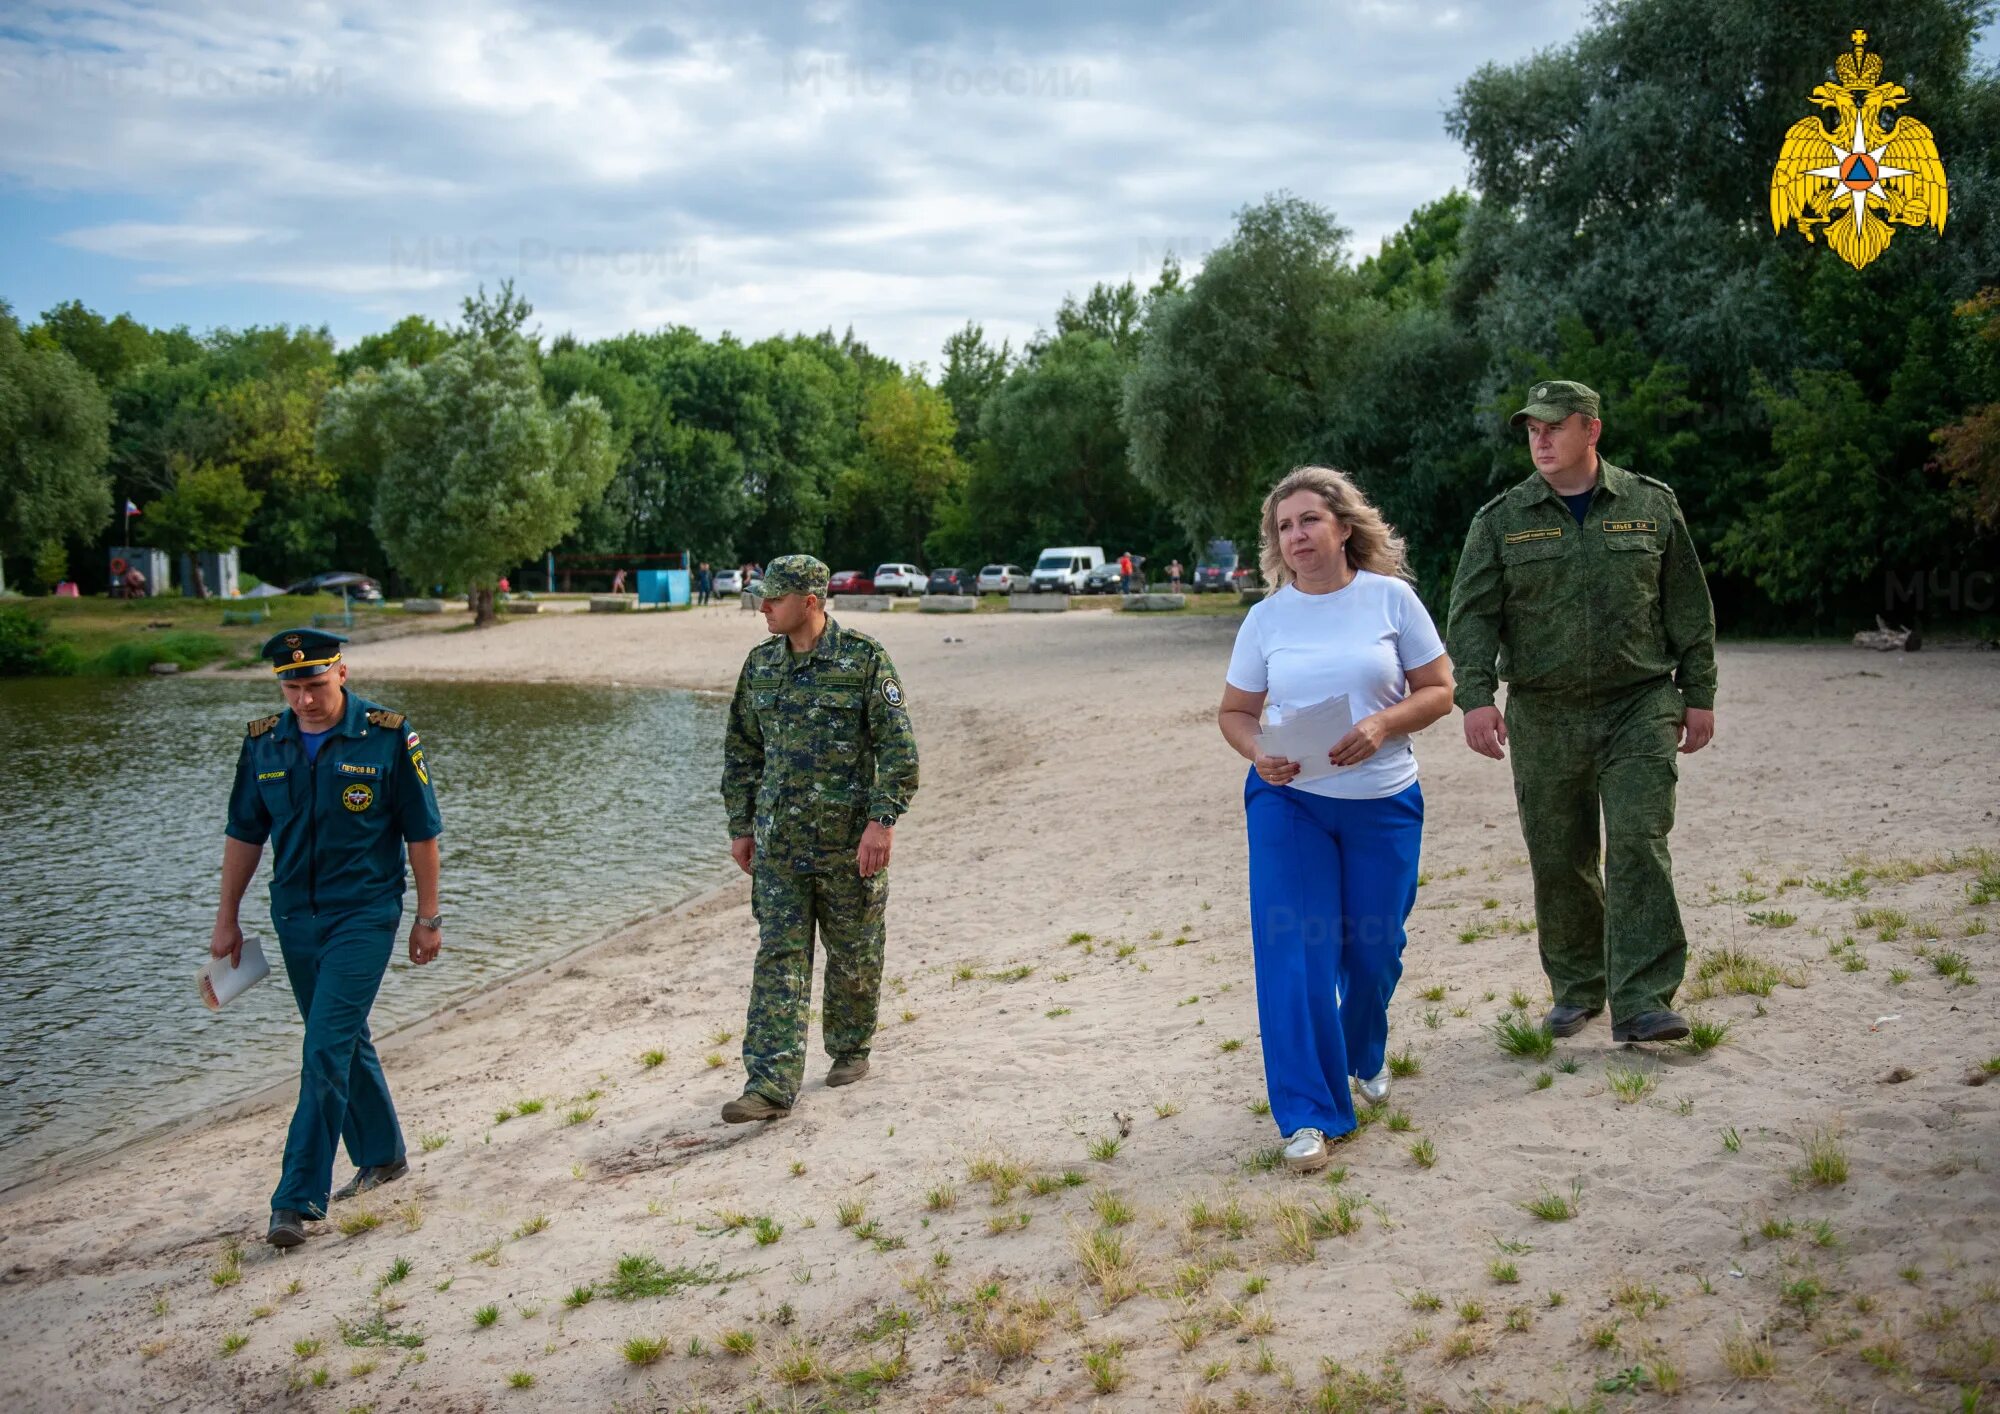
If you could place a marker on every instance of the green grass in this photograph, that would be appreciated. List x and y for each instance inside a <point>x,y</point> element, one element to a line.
<point>1518,1036</point>
<point>1630,1086</point>
<point>638,1276</point>
<point>1405,1064</point>
<point>486,1315</point>
<point>1553,1207</point>
<point>645,1349</point>
<point>1774,918</point>
<point>1825,1161</point>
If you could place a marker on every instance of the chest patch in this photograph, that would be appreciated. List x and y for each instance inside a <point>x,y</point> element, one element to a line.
<point>352,769</point>
<point>1630,527</point>
<point>1522,537</point>
<point>270,775</point>
<point>358,797</point>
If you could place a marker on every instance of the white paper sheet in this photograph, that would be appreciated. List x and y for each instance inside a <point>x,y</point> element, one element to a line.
<point>1307,734</point>
<point>220,984</point>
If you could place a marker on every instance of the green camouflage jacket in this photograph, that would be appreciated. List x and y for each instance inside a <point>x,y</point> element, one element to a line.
<point>1591,610</point>
<point>817,746</point>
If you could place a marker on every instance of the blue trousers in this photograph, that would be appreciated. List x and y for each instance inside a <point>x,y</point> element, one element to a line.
<point>1331,884</point>
<point>335,962</point>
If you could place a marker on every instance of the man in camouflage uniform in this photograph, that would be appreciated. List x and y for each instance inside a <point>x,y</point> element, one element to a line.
<point>1584,586</point>
<point>817,764</point>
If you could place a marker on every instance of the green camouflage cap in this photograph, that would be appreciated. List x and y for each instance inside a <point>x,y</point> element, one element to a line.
<point>1554,400</point>
<point>795,574</point>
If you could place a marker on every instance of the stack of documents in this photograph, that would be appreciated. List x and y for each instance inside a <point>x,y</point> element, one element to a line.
<point>220,984</point>
<point>1306,735</point>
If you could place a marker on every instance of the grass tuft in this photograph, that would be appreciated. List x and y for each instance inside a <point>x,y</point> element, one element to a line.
<point>1553,1207</point>
<point>1518,1036</point>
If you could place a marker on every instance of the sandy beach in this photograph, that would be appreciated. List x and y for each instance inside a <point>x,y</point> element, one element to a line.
<point>1055,1191</point>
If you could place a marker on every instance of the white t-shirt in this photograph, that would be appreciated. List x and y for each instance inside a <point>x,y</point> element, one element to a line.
<point>1304,648</point>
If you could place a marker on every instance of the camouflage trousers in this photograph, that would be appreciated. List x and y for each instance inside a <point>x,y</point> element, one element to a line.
<point>848,911</point>
<point>1618,934</point>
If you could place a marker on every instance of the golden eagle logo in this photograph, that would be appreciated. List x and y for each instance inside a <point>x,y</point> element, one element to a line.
<point>1858,180</point>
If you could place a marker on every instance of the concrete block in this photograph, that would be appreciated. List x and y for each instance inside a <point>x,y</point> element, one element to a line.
<point>752,601</point>
<point>862,603</point>
<point>947,604</point>
<point>165,670</point>
<point>1251,596</point>
<point>613,603</point>
<point>520,606</point>
<point>1037,603</point>
<point>1154,603</point>
<point>423,606</point>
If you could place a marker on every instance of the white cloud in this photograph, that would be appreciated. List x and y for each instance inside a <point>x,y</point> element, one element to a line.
<point>732,164</point>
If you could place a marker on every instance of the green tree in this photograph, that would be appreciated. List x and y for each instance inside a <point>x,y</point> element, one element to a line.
<point>412,340</point>
<point>476,474</point>
<point>54,438</point>
<point>110,348</point>
<point>887,503</point>
<point>973,369</point>
<point>208,511</point>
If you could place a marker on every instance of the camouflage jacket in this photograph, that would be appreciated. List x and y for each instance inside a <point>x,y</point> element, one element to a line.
<point>817,746</point>
<point>1591,610</point>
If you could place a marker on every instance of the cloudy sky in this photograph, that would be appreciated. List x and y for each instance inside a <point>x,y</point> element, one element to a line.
<point>744,165</point>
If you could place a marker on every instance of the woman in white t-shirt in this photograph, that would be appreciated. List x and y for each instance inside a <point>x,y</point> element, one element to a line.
<point>1333,857</point>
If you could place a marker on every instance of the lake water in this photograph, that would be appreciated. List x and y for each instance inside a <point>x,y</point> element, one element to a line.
<point>568,812</point>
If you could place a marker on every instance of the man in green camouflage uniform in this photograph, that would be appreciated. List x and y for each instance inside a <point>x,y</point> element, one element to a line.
<point>817,764</point>
<point>1582,586</point>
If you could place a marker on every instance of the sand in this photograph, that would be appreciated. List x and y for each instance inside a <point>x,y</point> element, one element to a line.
<point>1069,966</point>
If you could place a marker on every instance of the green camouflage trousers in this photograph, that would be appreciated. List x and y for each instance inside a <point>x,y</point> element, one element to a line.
<point>848,910</point>
<point>1619,933</point>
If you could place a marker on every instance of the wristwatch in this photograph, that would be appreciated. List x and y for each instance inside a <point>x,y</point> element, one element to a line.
<point>887,822</point>
<point>436,920</point>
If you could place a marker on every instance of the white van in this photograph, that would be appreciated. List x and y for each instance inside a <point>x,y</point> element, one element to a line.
<point>1062,569</point>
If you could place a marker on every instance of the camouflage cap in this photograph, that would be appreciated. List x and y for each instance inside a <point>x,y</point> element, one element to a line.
<point>795,574</point>
<point>1554,400</point>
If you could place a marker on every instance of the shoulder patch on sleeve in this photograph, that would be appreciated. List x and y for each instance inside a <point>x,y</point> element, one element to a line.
<point>264,724</point>
<point>892,692</point>
<point>385,719</point>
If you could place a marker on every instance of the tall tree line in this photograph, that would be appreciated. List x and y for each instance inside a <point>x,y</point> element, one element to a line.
<point>1834,435</point>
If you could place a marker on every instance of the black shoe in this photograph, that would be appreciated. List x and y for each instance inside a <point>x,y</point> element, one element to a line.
<point>1568,1020</point>
<point>1651,1026</point>
<point>373,1176</point>
<point>288,1228</point>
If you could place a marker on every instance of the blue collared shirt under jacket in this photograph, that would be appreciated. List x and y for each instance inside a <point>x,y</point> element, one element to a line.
<point>337,825</point>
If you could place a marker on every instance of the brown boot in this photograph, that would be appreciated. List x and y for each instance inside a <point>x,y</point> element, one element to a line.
<point>846,1072</point>
<point>751,1105</point>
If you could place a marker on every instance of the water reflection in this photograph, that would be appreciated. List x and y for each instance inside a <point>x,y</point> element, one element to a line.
<point>568,812</point>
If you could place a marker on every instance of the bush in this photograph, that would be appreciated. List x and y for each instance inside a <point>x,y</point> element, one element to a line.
<point>28,650</point>
<point>190,650</point>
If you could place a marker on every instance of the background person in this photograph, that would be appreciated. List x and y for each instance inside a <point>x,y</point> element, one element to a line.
<point>1333,860</point>
<point>818,761</point>
<point>338,785</point>
<point>1583,585</point>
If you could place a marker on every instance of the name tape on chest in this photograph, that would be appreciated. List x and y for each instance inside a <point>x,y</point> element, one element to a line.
<point>354,769</point>
<point>1630,527</point>
<point>1522,537</point>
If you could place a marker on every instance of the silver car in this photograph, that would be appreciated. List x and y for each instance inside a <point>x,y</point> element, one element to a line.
<point>1001,579</point>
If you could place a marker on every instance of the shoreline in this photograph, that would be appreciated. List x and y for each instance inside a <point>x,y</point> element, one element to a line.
<point>388,1043</point>
<point>1069,991</point>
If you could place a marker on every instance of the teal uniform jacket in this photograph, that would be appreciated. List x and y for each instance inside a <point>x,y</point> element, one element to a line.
<point>337,826</point>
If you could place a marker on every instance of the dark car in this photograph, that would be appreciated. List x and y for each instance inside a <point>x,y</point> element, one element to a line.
<point>355,586</point>
<point>1219,569</point>
<point>850,582</point>
<point>949,581</point>
<point>1106,579</point>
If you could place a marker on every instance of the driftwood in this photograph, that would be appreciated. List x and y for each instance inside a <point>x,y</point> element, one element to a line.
<point>1884,639</point>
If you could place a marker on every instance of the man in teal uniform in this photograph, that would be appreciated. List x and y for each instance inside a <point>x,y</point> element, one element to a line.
<point>338,784</point>
<point>1581,589</point>
<point>818,763</point>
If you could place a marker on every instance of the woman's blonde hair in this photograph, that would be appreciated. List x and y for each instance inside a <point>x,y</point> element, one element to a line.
<point>1372,543</point>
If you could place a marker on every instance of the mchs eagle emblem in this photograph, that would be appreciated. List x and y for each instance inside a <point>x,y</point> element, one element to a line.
<point>1858,180</point>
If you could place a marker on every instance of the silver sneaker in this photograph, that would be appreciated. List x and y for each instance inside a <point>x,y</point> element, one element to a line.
<point>1376,1087</point>
<point>1306,1151</point>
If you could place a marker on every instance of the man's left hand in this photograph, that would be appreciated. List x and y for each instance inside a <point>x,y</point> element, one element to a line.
<point>1697,729</point>
<point>424,943</point>
<point>873,854</point>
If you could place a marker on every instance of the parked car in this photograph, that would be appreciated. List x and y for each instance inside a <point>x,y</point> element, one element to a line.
<point>898,579</point>
<point>1062,569</point>
<point>1105,579</point>
<point>356,586</point>
<point>1218,569</point>
<point>950,580</point>
<point>729,581</point>
<point>850,582</point>
<point>1001,579</point>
